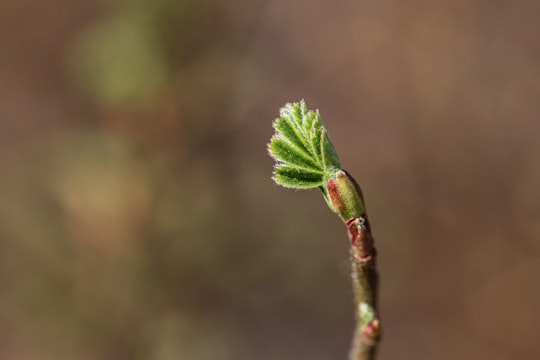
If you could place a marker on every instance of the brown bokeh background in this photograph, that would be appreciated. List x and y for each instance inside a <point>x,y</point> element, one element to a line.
<point>137,215</point>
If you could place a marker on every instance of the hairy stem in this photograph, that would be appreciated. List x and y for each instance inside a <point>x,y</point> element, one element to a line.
<point>365,282</point>
<point>347,200</point>
<point>306,159</point>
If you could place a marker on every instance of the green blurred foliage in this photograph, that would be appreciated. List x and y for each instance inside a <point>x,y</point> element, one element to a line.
<point>121,61</point>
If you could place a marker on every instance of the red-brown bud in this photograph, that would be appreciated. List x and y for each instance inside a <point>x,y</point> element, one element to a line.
<point>345,196</point>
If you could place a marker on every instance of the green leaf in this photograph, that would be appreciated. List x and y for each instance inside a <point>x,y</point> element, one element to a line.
<point>287,153</point>
<point>285,129</point>
<point>305,157</point>
<point>297,178</point>
<point>317,133</point>
<point>329,154</point>
<point>309,120</point>
<point>293,113</point>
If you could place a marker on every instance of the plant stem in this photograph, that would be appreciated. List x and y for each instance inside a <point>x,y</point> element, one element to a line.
<point>347,200</point>
<point>365,286</point>
<point>306,159</point>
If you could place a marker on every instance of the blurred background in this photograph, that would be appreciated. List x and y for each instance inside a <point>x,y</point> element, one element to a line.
<point>138,219</point>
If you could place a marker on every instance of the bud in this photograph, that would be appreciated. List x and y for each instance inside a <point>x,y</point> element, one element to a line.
<point>372,330</point>
<point>345,196</point>
<point>371,326</point>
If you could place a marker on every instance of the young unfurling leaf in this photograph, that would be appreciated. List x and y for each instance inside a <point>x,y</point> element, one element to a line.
<point>305,157</point>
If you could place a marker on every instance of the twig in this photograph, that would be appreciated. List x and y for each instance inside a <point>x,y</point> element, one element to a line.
<point>306,158</point>
<point>363,256</point>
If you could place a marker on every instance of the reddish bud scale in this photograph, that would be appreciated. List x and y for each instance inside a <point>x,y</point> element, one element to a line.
<point>335,196</point>
<point>360,237</point>
<point>372,330</point>
<point>354,230</point>
<point>345,195</point>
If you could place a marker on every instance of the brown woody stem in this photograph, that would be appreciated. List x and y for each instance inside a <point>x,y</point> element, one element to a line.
<point>365,286</point>
<point>347,200</point>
